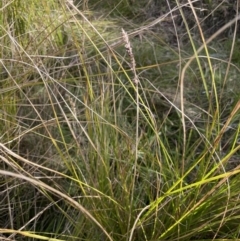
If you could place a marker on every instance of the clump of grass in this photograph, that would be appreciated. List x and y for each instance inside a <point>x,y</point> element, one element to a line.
<point>111,137</point>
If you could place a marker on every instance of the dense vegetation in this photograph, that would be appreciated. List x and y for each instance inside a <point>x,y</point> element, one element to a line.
<point>119,120</point>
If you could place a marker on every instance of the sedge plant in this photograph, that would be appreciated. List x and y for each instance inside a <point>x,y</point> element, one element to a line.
<point>110,133</point>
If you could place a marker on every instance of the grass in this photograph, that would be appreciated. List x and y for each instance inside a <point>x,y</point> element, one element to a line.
<point>110,134</point>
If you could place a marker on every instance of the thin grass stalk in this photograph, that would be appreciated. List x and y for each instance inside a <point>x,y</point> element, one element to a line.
<point>232,48</point>
<point>136,82</point>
